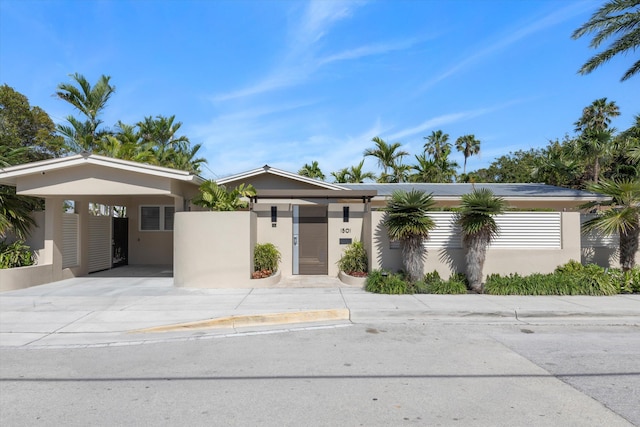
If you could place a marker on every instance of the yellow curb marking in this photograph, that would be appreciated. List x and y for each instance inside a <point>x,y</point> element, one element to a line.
<point>253,320</point>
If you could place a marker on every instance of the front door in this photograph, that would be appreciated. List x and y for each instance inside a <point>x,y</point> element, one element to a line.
<point>120,253</point>
<point>310,239</point>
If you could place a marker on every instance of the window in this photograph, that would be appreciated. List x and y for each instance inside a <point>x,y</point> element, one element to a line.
<point>345,214</point>
<point>156,218</point>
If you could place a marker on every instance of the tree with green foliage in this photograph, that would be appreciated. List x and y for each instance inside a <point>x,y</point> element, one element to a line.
<point>437,145</point>
<point>27,133</point>
<point>469,146</point>
<point>478,226</point>
<point>217,198</point>
<point>312,171</point>
<point>595,135</point>
<point>90,101</point>
<point>617,19</point>
<point>356,175</point>
<point>15,213</point>
<point>620,214</point>
<point>388,155</point>
<point>407,221</point>
<point>341,176</point>
<point>425,170</point>
<point>513,167</point>
<point>557,166</point>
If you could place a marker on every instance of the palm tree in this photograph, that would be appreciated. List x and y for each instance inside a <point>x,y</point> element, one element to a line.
<point>90,101</point>
<point>479,228</point>
<point>355,174</point>
<point>425,169</point>
<point>217,198</point>
<point>616,18</point>
<point>312,171</point>
<point>595,137</point>
<point>341,176</point>
<point>387,154</point>
<point>620,214</point>
<point>597,116</point>
<point>469,146</point>
<point>437,145</point>
<point>15,213</point>
<point>407,221</point>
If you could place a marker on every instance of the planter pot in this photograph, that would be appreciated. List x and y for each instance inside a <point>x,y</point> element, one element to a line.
<point>351,280</point>
<point>267,282</point>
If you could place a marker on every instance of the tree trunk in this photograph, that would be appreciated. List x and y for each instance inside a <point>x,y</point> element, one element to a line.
<point>629,248</point>
<point>413,254</point>
<point>476,252</point>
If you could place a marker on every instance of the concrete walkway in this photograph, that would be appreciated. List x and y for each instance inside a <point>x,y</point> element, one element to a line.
<point>99,310</point>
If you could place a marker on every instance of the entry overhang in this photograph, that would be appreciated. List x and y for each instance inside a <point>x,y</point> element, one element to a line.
<point>366,195</point>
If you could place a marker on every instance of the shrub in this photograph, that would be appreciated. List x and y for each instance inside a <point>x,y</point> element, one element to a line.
<point>385,282</point>
<point>354,259</point>
<point>266,258</point>
<point>627,281</point>
<point>433,284</point>
<point>570,279</point>
<point>16,254</point>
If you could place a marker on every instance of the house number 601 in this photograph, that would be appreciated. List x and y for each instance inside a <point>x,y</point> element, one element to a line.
<point>345,230</point>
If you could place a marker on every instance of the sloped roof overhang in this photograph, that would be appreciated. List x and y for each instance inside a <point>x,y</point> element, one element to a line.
<point>90,174</point>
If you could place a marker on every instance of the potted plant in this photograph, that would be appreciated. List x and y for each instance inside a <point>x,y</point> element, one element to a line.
<point>266,258</point>
<point>354,264</point>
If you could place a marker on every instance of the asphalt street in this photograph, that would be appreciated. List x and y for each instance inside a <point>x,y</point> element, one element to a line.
<point>427,374</point>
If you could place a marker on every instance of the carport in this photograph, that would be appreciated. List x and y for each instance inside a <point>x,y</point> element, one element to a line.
<point>100,213</point>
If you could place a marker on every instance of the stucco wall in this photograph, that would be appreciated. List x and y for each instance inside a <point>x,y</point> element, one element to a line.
<point>281,235</point>
<point>213,249</point>
<point>338,229</point>
<point>501,261</point>
<point>149,247</point>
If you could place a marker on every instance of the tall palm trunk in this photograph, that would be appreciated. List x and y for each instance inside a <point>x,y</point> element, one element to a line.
<point>414,252</point>
<point>629,247</point>
<point>475,257</point>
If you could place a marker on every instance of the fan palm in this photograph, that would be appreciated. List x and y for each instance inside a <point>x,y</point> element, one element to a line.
<point>619,18</point>
<point>407,221</point>
<point>469,146</point>
<point>479,228</point>
<point>618,215</point>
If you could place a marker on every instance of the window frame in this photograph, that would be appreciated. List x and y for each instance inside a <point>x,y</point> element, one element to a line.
<point>162,218</point>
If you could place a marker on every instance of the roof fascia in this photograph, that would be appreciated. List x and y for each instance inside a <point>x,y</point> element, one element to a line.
<point>76,160</point>
<point>281,173</point>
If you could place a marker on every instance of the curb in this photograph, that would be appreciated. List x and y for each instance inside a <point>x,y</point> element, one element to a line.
<point>254,320</point>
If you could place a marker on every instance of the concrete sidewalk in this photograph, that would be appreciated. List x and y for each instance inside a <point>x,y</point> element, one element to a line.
<point>98,311</point>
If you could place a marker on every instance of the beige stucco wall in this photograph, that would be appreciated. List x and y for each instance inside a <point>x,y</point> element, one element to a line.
<point>281,235</point>
<point>25,277</point>
<point>92,180</point>
<point>149,247</point>
<point>213,249</point>
<point>338,229</point>
<point>501,261</point>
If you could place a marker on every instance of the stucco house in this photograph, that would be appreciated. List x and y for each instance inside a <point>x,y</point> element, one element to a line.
<point>103,212</point>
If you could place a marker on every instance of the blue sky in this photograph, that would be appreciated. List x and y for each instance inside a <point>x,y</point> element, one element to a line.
<point>288,82</point>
